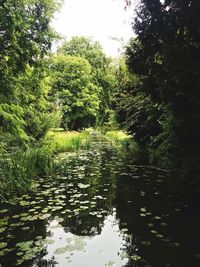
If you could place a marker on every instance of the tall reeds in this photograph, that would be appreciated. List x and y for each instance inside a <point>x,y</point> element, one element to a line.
<point>19,169</point>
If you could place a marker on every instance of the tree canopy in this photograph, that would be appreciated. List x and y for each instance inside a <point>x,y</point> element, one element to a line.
<point>165,56</point>
<point>101,74</point>
<point>26,37</point>
<point>73,87</point>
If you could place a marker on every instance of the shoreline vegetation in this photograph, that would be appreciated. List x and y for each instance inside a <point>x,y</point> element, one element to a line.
<point>20,169</point>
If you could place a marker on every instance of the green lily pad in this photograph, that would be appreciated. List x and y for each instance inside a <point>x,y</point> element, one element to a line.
<point>16,224</point>
<point>110,264</point>
<point>83,185</point>
<point>26,228</point>
<point>20,253</point>
<point>15,216</point>
<point>24,246</point>
<point>157,218</point>
<point>136,257</point>
<point>150,224</point>
<point>5,251</point>
<point>45,216</point>
<point>60,251</point>
<point>3,245</point>
<point>3,211</point>
<point>2,229</point>
<point>143,209</point>
<point>159,235</point>
<point>146,243</point>
<point>49,241</point>
<point>38,237</point>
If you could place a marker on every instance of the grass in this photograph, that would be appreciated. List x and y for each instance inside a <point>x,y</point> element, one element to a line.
<point>19,169</point>
<point>118,137</point>
<point>68,141</point>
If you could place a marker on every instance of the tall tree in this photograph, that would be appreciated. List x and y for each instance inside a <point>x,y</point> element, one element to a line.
<point>101,69</point>
<point>166,55</point>
<point>135,110</point>
<point>73,87</point>
<point>25,38</point>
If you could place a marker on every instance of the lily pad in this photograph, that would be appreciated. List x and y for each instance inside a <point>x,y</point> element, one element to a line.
<point>3,245</point>
<point>157,218</point>
<point>5,251</point>
<point>49,241</point>
<point>60,251</point>
<point>146,243</point>
<point>83,185</point>
<point>2,229</point>
<point>3,211</point>
<point>136,257</point>
<point>45,216</point>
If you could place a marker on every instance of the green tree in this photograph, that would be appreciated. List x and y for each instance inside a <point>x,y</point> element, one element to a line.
<point>101,69</point>
<point>25,38</point>
<point>38,113</point>
<point>166,56</point>
<point>73,88</point>
<point>135,110</point>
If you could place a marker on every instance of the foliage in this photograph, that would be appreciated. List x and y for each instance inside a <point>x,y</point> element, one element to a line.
<point>19,169</point>
<point>59,141</point>
<point>101,70</point>
<point>73,86</point>
<point>11,120</point>
<point>39,114</point>
<point>136,112</point>
<point>25,36</point>
<point>118,137</point>
<point>165,55</point>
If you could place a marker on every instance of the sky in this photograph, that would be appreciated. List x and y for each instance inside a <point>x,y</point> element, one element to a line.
<point>100,19</point>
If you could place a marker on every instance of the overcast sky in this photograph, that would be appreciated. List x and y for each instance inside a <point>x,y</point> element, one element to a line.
<point>100,19</point>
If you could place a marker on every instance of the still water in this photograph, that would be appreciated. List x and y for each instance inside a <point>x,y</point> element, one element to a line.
<point>102,209</point>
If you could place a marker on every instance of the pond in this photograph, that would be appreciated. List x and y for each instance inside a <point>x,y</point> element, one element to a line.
<point>102,209</point>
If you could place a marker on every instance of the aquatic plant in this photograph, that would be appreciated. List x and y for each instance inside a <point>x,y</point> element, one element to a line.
<point>68,141</point>
<point>19,169</point>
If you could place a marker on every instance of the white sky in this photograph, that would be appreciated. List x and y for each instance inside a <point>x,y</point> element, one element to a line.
<point>100,19</point>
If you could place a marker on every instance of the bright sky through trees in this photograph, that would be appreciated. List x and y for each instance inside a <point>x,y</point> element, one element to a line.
<point>101,19</point>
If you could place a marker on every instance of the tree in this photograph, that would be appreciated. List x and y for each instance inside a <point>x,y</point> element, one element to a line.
<point>25,38</point>
<point>166,55</point>
<point>73,87</point>
<point>38,113</point>
<point>101,69</point>
<point>136,112</point>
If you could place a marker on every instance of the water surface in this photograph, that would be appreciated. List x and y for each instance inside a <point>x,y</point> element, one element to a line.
<point>102,209</point>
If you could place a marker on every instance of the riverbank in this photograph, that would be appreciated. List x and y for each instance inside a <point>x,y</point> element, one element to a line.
<point>20,168</point>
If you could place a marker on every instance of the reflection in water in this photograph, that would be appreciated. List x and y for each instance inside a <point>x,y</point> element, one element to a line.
<point>99,250</point>
<point>102,210</point>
